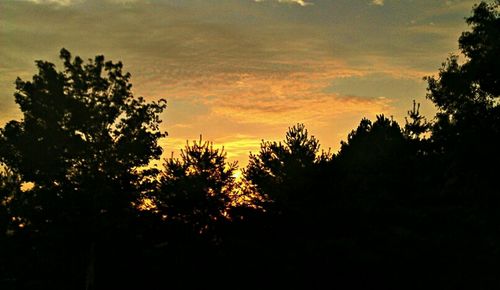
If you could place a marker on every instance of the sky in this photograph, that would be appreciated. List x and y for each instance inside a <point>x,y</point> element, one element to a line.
<point>241,71</point>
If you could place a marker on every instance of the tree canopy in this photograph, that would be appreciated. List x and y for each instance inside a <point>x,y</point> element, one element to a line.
<point>197,188</point>
<point>81,141</point>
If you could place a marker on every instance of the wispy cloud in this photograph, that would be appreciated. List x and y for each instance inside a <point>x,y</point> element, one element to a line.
<point>57,2</point>
<point>299,2</point>
<point>378,2</point>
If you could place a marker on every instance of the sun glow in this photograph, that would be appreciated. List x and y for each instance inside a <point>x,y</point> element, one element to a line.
<point>238,174</point>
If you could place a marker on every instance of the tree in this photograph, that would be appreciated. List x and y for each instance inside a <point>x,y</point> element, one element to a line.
<point>81,141</point>
<point>468,93</point>
<point>476,82</point>
<point>198,188</point>
<point>283,171</point>
<point>371,142</point>
<point>467,126</point>
<point>10,186</point>
<point>417,127</point>
<point>373,162</point>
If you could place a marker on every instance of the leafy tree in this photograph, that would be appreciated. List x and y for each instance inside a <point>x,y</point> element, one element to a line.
<point>467,126</point>
<point>372,141</point>
<point>198,188</point>
<point>373,161</point>
<point>476,82</point>
<point>283,171</point>
<point>467,94</point>
<point>81,140</point>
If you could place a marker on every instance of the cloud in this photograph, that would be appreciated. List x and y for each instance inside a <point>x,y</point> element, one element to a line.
<point>299,2</point>
<point>250,74</point>
<point>57,2</point>
<point>378,2</point>
<point>286,98</point>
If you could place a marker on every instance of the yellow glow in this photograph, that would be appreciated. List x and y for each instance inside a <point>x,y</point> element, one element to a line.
<point>238,174</point>
<point>27,186</point>
<point>147,204</point>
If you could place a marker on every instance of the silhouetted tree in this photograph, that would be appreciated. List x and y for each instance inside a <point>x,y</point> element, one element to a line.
<point>197,189</point>
<point>467,126</point>
<point>10,223</point>
<point>282,171</point>
<point>467,94</point>
<point>371,143</point>
<point>373,163</point>
<point>417,126</point>
<point>81,140</point>
<point>10,186</point>
<point>476,82</point>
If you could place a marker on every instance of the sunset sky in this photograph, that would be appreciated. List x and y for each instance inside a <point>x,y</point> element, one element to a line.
<point>239,71</point>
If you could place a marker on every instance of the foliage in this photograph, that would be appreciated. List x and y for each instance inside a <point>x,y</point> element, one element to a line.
<point>467,126</point>
<point>473,86</point>
<point>374,162</point>
<point>80,142</point>
<point>81,130</point>
<point>281,170</point>
<point>370,140</point>
<point>10,186</point>
<point>417,127</point>
<point>197,188</point>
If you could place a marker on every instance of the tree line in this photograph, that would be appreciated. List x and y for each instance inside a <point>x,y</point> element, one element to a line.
<point>398,206</point>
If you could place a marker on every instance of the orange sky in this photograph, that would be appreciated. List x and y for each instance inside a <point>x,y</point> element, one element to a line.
<point>238,71</point>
